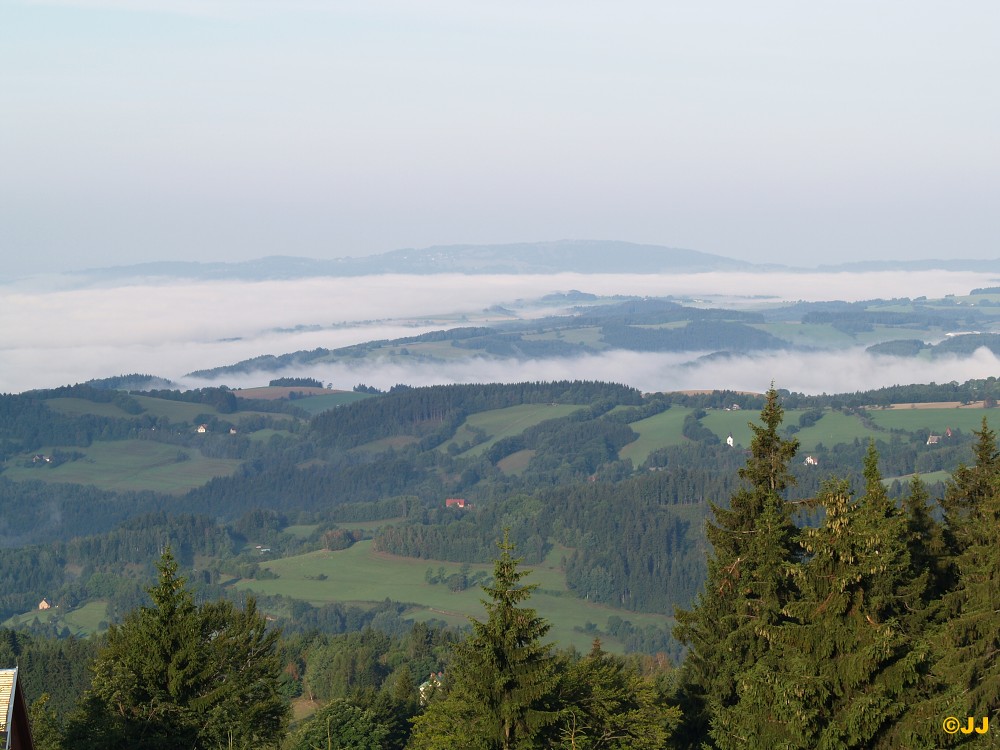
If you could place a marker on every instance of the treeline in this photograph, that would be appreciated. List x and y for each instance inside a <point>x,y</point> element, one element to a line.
<point>868,629</point>
<point>300,382</point>
<point>421,412</point>
<point>698,335</point>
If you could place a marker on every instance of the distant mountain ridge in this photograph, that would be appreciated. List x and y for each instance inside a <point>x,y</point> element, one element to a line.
<point>562,256</point>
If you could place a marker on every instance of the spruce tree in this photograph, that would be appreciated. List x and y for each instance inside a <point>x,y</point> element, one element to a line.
<point>970,486</point>
<point>608,705</point>
<point>176,675</point>
<point>843,669</point>
<point>746,587</point>
<point>967,645</point>
<point>925,540</point>
<point>501,683</point>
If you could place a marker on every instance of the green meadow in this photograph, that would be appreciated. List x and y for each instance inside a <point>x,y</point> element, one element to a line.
<point>736,423</point>
<point>124,465</point>
<point>935,420</point>
<point>358,574</point>
<point>327,401</point>
<point>835,427</point>
<point>175,411</point>
<point>501,423</point>
<point>78,407</point>
<point>588,336</point>
<point>658,431</point>
<point>81,622</point>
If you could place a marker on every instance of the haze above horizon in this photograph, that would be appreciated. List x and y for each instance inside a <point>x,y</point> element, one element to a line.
<point>781,132</point>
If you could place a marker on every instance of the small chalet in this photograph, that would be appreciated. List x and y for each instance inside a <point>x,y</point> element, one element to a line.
<point>44,604</point>
<point>203,428</point>
<point>811,461</point>
<point>933,439</point>
<point>15,734</point>
<point>428,686</point>
<point>454,502</point>
<point>729,440</point>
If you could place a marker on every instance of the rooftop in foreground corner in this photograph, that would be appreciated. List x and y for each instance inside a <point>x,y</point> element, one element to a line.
<point>14,731</point>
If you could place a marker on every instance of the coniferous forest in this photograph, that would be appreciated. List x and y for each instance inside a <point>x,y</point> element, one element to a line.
<point>840,611</point>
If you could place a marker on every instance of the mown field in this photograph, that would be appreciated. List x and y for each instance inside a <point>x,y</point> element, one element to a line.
<point>81,622</point>
<point>358,574</point>
<point>501,423</point>
<point>935,420</point>
<point>658,431</point>
<point>124,465</point>
<point>326,401</point>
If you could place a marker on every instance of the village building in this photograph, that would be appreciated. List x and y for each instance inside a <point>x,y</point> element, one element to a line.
<point>454,502</point>
<point>428,686</point>
<point>44,604</point>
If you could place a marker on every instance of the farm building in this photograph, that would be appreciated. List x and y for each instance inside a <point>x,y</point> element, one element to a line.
<point>454,502</point>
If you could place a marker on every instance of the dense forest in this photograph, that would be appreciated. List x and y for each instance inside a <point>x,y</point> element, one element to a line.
<point>841,618</point>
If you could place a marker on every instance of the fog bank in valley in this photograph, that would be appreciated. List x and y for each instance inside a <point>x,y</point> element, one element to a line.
<point>52,338</point>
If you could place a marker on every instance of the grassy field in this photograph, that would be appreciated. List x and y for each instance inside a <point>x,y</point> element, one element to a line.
<point>501,423</point>
<point>589,336</point>
<point>929,478</point>
<point>129,465</point>
<point>516,463</point>
<point>77,407</point>
<point>833,428</point>
<point>175,411</point>
<point>935,420</point>
<point>736,423</point>
<point>327,401</point>
<point>81,622</point>
<point>658,431</point>
<point>384,444</point>
<point>358,574</point>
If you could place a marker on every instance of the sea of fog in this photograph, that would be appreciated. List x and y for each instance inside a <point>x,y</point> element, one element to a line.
<point>59,336</point>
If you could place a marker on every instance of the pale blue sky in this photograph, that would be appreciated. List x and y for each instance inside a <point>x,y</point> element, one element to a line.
<point>791,132</point>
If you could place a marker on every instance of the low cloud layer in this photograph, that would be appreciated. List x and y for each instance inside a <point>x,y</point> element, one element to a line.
<point>812,373</point>
<point>60,337</point>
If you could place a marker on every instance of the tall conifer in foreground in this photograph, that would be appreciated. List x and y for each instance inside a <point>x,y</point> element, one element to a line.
<point>967,645</point>
<point>842,666</point>
<point>502,681</point>
<point>178,675</point>
<point>746,587</point>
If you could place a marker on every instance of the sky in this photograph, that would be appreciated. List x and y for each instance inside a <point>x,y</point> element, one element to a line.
<point>223,130</point>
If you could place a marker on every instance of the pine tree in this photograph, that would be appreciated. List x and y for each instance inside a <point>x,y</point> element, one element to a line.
<point>925,540</point>
<point>176,675</point>
<point>501,684</point>
<point>746,586</point>
<point>969,487</point>
<point>608,705</point>
<point>967,646</point>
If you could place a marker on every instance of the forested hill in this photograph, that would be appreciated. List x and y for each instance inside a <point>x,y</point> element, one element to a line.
<point>604,488</point>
